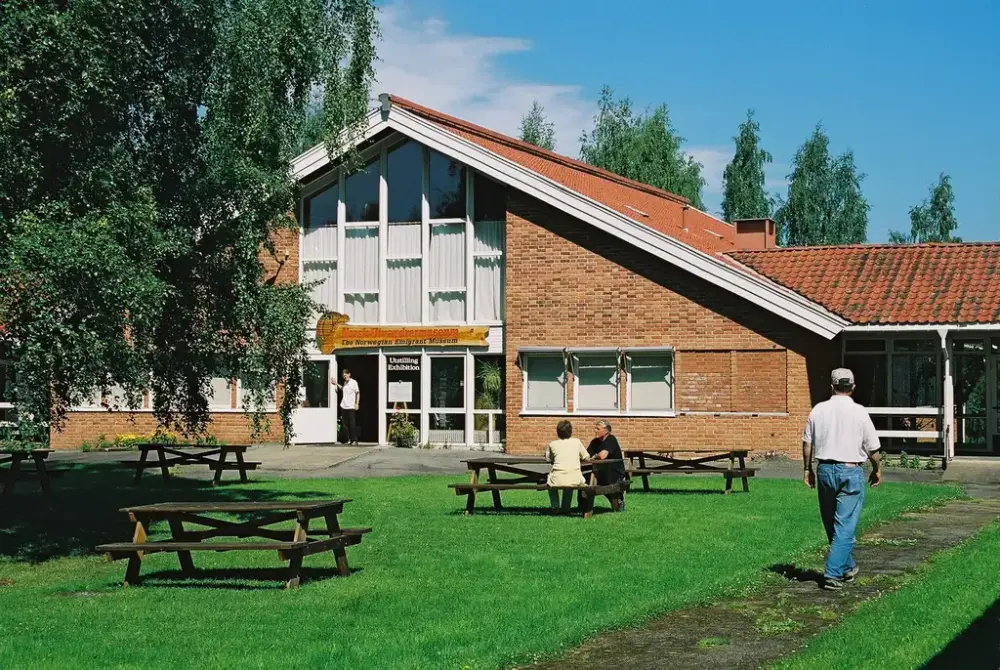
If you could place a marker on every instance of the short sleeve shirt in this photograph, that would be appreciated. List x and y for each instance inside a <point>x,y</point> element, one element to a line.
<point>350,394</point>
<point>612,473</point>
<point>841,430</point>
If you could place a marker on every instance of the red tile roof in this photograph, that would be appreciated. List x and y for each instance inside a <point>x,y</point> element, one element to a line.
<point>882,284</point>
<point>665,212</point>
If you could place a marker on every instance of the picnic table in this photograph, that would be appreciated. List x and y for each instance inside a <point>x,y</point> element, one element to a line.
<point>526,479</point>
<point>172,454</point>
<point>291,545</point>
<point>14,471</point>
<point>656,462</point>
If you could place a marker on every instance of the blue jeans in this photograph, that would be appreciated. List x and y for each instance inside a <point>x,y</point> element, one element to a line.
<point>841,494</point>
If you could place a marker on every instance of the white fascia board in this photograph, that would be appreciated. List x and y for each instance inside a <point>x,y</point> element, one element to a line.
<point>316,158</point>
<point>776,299</point>
<point>930,327</point>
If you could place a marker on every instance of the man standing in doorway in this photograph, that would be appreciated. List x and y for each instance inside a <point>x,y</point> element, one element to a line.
<point>841,435</point>
<point>349,402</point>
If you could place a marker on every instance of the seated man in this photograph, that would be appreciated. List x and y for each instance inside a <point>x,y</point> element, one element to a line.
<point>605,446</point>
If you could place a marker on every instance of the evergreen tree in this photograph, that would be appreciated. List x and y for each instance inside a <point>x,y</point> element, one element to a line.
<point>934,219</point>
<point>536,129</point>
<point>744,196</point>
<point>824,203</point>
<point>644,147</point>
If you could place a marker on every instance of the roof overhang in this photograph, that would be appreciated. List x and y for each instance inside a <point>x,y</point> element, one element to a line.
<point>750,286</point>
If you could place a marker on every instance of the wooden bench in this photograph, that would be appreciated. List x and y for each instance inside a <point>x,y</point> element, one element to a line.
<point>662,462</point>
<point>169,455</point>
<point>525,479</point>
<point>15,470</point>
<point>291,544</point>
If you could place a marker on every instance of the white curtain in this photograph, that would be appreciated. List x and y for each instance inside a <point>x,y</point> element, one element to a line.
<point>652,380</point>
<point>361,307</point>
<point>546,382</point>
<point>325,293</point>
<point>447,262</point>
<point>489,237</point>
<point>447,307</point>
<point>403,240</point>
<point>597,382</point>
<point>489,281</point>
<point>360,260</point>
<point>403,291</point>
<point>320,243</point>
<point>221,397</point>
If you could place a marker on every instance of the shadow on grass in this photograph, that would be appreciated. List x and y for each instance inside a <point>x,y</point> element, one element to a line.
<point>978,646</point>
<point>675,492</point>
<point>796,574</point>
<point>233,579</point>
<point>529,511</point>
<point>83,510</point>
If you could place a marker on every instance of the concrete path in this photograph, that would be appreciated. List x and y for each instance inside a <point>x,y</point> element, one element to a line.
<point>776,621</point>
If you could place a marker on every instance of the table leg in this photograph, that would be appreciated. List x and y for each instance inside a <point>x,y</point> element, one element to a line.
<point>12,472</point>
<point>242,464</point>
<point>218,472</point>
<point>294,570</point>
<point>132,571</point>
<point>43,475</point>
<point>177,531</point>
<point>301,532</point>
<point>164,470</point>
<point>729,483</point>
<point>746,482</point>
<point>470,504</point>
<point>496,494</point>
<point>141,465</point>
<point>645,478</point>
<point>332,525</point>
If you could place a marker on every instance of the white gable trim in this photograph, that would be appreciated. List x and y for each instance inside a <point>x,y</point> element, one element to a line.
<point>756,289</point>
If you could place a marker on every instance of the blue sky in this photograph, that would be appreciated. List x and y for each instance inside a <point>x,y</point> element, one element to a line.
<point>913,88</point>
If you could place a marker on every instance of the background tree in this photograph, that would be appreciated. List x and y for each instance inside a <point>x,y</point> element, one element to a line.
<point>644,147</point>
<point>743,180</point>
<point>537,129</point>
<point>145,149</point>
<point>824,204</point>
<point>933,220</point>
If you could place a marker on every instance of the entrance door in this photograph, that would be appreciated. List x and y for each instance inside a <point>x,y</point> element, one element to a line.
<point>315,420</point>
<point>364,370</point>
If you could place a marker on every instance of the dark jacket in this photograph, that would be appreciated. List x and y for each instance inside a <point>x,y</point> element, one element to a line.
<point>611,473</point>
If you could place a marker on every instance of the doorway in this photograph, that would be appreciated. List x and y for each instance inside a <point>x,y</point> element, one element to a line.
<point>364,370</point>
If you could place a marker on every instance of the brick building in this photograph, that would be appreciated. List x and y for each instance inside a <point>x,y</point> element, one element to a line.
<point>457,259</point>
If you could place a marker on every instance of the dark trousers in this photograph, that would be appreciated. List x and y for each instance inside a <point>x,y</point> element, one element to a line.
<point>350,423</point>
<point>587,501</point>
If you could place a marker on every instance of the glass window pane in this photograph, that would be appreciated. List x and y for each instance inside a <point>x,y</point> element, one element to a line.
<point>914,380</point>
<point>403,369</point>
<point>864,345</point>
<point>316,384</point>
<point>651,382</point>
<point>447,382</point>
<point>967,345</point>
<point>361,260</point>
<point>361,307</point>
<point>405,181</point>
<point>447,188</point>
<point>270,398</point>
<point>447,307</point>
<point>403,240</point>
<point>403,291</point>
<point>221,395</point>
<point>319,234</point>
<point>929,346</point>
<point>446,428</point>
<point>490,383</point>
<point>490,200</point>
<point>447,252</point>
<point>489,282</point>
<point>546,378</point>
<point>869,379</point>
<point>362,194</point>
<point>400,434</point>
<point>324,293</point>
<point>597,382</point>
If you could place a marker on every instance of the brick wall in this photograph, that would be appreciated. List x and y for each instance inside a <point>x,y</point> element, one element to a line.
<point>569,284</point>
<point>232,427</point>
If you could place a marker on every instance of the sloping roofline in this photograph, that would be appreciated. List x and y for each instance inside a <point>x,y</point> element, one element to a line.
<point>408,119</point>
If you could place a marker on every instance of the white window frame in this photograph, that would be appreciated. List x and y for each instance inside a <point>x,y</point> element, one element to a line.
<point>575,356</point>
<point>651,351</point>
<point>525,354</point>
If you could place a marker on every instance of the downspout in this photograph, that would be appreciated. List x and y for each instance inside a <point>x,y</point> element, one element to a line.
<point>948,399</point>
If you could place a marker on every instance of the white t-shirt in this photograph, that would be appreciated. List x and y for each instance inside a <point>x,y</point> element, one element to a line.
<point>841,430</point>
<point>350,394</point>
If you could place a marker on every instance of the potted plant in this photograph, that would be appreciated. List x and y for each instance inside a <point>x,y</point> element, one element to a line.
<point>401,431</point>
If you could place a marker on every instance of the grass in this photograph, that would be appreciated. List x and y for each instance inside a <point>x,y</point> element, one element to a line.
<point>433,588</point>
<point>946,616</point>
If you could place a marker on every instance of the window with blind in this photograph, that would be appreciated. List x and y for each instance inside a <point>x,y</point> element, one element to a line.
<point>545,382</point>
<point>596,381</point>
<point>447,273</point>
<point>650,381</point>
<point>319,246</point>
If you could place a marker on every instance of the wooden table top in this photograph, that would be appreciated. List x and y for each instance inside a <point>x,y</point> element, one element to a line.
<point>530,460</point>
<point>237,507</point>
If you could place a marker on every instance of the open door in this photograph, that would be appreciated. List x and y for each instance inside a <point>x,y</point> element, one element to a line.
<point>315,420</point>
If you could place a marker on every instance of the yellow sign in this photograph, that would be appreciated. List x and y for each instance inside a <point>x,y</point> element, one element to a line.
<point>333,333</point>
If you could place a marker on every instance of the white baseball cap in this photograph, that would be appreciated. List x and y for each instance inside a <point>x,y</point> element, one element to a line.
<point>842,377</point>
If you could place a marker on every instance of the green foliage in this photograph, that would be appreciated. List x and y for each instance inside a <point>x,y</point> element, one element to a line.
<point>743,191</point>
<point>933,220</point>
<point>643,147</point>
<point>401,431</point>
<point>824,203</point>
<point>538,130</point>
<point>144,148</point>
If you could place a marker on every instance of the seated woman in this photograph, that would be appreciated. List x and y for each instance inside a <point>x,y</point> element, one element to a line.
<point>565,455</point>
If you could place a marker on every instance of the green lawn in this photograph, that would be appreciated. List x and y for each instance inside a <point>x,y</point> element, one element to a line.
<point>947,616</point>
<point>435,589</point>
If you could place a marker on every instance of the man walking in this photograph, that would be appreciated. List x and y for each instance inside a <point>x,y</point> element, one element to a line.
<point>349,402</point>
<point>842,437</point>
